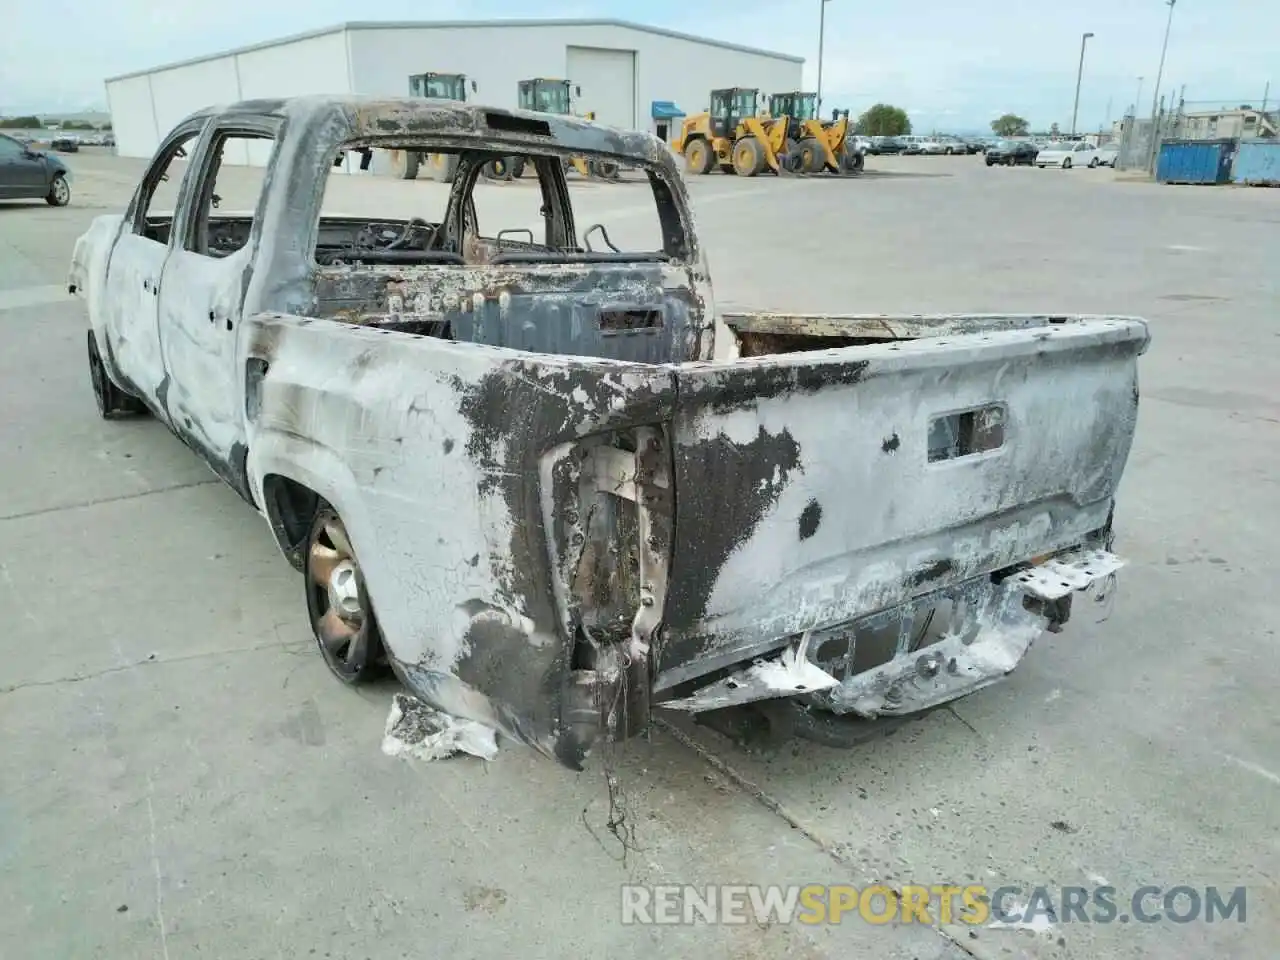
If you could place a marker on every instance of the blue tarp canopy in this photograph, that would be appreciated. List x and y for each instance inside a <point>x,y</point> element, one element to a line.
<point>666,110</point>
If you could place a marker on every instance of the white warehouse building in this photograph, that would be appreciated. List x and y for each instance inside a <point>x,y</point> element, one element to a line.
<point>629,75</point>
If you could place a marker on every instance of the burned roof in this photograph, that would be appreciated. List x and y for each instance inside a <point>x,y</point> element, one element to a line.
<point>360,120</point>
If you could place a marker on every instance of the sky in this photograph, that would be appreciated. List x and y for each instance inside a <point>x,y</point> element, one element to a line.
<point>952,66</point>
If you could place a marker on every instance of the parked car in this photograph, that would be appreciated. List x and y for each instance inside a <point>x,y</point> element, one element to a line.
<point>885,146</point>
<point>953,145</point>
<point>932,146</point>
<point>911,144</point>
<point>1067,155</point>
<point>1107,155</point>
<point>28,174</point>
<point>556,528</point>
<point>65,143</point>
<point>1011,153</point>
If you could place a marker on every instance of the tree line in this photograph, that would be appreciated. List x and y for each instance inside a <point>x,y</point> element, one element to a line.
<point>35,123</point>
<point>886,120</point>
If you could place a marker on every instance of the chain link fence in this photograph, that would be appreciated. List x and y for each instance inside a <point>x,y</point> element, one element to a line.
<point>1139,142</point>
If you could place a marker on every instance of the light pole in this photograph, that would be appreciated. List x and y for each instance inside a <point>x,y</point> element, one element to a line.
<point>1155,96</point>
<point>1156,106</point>
<point>1137,100</point>
<point>1079,73</point>
<point>822,30</point>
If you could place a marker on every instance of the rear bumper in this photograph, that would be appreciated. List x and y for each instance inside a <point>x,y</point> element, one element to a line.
<point>988,628</point>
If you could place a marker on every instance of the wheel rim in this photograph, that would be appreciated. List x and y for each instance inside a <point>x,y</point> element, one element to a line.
<point>60,190</point>
<point>340,613</point>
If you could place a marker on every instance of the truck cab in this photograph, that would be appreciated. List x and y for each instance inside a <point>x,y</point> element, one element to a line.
<point>440,86</point>
<point>546,95</point>
<point>729,107</point>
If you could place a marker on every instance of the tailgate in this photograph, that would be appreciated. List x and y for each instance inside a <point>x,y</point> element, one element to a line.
<point>814,488</point>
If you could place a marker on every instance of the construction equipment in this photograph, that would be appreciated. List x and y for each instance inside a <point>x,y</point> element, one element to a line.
<point>551,95</point>
<point>819,147</point>
<point>441,86</point>
<point>731,134</point>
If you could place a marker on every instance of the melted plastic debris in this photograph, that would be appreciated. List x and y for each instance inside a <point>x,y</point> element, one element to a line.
<point>417,731</point>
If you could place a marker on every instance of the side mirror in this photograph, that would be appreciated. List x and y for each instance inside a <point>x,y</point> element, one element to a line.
<point>473,86</point>
<point>577,91</point>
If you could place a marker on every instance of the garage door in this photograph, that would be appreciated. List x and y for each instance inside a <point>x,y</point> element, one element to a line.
<point>608,82</point>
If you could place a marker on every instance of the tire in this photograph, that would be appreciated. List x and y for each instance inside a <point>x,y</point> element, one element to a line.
<point>813,158</point>
<point>1093,164</point>
<point>338,605</point>
<point>698,156</point>
<point>604,169</point>
<point>113,403</point>
<point>408,164</point>
<point>442,167</point>
<point>990,162</point>
<point>1066,164</point>
<point>499,169</point>
<point>59,194</point>
<point>517,168</point>
<point>748,157</point>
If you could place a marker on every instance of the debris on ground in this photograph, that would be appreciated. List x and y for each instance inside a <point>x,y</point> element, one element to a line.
<point>417,731</point>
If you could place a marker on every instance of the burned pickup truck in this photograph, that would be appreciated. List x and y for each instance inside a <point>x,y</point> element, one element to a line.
<point>532,469</point>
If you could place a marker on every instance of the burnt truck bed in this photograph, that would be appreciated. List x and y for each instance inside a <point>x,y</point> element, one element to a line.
<point>558,544</point>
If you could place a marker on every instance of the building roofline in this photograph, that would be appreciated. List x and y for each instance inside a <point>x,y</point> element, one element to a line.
<point>445,24</point>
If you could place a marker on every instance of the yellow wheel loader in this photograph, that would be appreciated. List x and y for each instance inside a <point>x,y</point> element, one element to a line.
<point>546,95</point>
<point>732,136</point>
<point>440,166</point>
<point>819,147</point>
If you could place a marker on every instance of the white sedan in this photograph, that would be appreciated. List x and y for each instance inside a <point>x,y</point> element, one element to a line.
<point>1067,155</point>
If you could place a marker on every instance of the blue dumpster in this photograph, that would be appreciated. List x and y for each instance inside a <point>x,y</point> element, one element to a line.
<point>1257,163</point>
<point>1195,161</point>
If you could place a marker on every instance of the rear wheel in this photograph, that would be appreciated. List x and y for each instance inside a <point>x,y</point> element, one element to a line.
<point>1066,164</point>
<point>853,161</point>
<point>1093,163</point>
<point>748,157</point>
<point>698,156</point>
<point>338,604</point>
<point>113,402</point>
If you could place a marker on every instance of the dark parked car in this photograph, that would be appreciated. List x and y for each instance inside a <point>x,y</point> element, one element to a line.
<point>1011,153</point>
<point>885,145</point>
<point>27,174</point>
<point>65,144</point>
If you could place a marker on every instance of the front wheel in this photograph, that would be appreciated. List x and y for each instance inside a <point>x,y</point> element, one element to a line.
<point>59,194</point>
<point>338,603</point>
<point>748,157</point>
<point>1093,164</point>
<point>1066,164</point>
